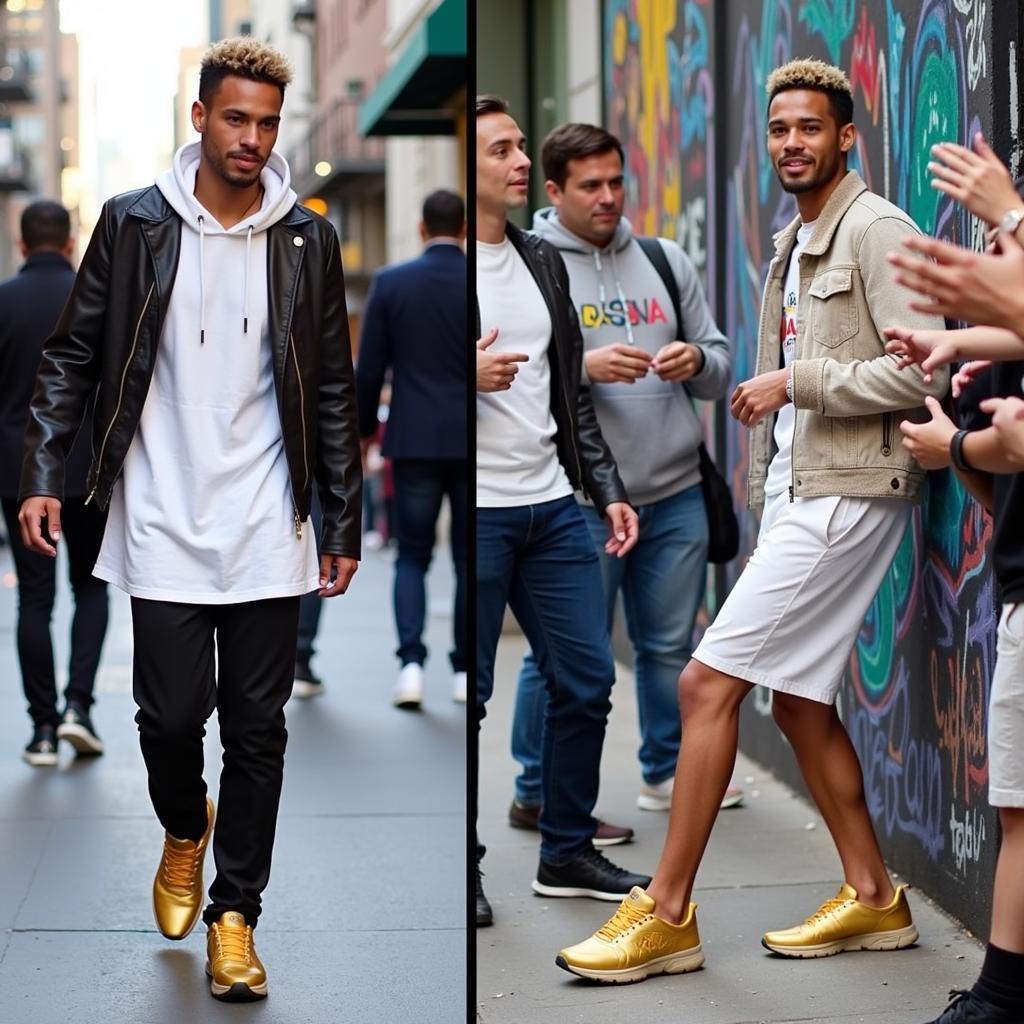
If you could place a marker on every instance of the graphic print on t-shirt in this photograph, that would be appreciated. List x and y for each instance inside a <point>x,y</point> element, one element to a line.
<point>788,332</point>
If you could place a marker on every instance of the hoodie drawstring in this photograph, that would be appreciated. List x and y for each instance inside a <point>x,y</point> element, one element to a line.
<point>245,301</point>
<point>202,277</point>
<point>202,282</point>
<point>599,267</point>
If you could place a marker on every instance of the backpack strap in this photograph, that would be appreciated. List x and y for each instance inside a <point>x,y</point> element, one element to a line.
<point>654,251</point>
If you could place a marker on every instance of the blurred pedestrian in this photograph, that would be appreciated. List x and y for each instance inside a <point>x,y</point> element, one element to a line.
<point>209,311</point>
<point>538,441</point>
<point>836,486</point>
<point>30,305</point>
<point>414,325</point>
<point>644,370</point>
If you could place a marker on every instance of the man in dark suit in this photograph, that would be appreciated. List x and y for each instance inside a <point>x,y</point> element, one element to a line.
<point>30,305</point>
<point>415,323</point>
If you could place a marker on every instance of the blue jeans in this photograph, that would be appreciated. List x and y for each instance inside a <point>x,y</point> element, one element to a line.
<point>540,560</point>
<point>662,582</point>
<point>420,486</point>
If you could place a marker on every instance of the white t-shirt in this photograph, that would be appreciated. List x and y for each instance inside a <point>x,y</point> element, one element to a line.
<point>780,471</point>
<point>516,460</point>
<point>203,510</point>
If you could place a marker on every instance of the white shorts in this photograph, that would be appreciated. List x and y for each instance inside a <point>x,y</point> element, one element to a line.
<point>792,618</point>
<point>1006,713</point>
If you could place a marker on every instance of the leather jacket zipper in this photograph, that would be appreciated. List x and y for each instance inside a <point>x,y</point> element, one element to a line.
<point>120,394</point>
<point>302,417</point>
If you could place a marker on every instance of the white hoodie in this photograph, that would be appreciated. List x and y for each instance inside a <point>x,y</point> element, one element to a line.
<point>203,511</point>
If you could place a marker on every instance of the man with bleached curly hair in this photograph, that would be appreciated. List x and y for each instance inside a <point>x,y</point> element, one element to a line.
<point>836,486</point>
<point>208,318</point>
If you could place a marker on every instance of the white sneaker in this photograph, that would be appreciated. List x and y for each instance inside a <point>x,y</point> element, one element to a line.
<point>459,691</point>
<point>408,691</point>
<point>659,796</point>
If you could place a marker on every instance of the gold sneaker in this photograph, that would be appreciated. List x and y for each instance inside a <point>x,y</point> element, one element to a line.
<point>843,923</point>
<point>635,944</point>
<point>235,971</point>
<point>178,886</point>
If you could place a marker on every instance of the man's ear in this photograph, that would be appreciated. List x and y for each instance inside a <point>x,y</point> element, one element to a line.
<point>847,137</point>
<point>554,192</point>
<point>199,117</point>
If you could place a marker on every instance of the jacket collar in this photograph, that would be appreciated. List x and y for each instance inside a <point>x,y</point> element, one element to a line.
<point>46,258</point>
<point>842,198</point>
<point>152,206</point>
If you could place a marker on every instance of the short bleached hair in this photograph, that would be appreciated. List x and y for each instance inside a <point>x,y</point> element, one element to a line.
<point>245,57</point>
<point>817,76</point>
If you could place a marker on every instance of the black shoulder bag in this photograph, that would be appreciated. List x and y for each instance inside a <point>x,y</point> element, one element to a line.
<point>723,527</point>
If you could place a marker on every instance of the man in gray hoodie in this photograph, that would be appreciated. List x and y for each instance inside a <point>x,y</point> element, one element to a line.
<point>644,368</point>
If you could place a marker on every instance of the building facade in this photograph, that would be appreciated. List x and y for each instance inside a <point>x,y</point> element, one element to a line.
<point>38,116</point>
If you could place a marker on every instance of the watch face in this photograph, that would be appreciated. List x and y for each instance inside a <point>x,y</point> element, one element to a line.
<point>1011,221</point>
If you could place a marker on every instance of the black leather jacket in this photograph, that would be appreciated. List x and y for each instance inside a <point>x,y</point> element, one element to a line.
<point>582,450</point>
<point>106,342</point>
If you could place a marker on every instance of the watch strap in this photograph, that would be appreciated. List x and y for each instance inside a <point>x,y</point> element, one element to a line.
<point>956,452</point>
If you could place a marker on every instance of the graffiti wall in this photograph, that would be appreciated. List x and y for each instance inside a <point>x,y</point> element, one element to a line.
<point>684,90</point>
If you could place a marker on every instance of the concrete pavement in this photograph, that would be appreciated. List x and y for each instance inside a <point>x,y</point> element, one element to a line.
<point>768,865</point>
<point>364,918</point>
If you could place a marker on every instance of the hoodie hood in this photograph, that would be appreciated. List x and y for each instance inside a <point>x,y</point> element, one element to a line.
<point>551,229</point>
<point>178,187</point>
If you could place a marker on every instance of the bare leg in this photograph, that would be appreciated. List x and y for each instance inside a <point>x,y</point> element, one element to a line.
<point>710,703</point>
<point>832,772</point>
<point>1008,894</point>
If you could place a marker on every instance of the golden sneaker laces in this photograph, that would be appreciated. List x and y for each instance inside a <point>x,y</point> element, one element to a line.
<point>828,908</point>
<point>234,943</point>
<point>621,921</point>
<point>179,867</point>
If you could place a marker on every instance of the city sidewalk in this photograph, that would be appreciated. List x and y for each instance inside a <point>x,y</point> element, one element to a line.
<point>768,865</point>
<point>364,919</point>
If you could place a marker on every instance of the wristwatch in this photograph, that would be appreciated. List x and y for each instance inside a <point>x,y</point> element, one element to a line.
<point>789,385</point>
<point>956,452</point>
<point>1011,221</point>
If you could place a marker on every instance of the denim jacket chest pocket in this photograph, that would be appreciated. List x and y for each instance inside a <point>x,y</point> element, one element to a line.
<point>832,307</point>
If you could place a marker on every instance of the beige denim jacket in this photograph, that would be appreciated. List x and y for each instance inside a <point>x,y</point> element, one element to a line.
<point>849,395</point>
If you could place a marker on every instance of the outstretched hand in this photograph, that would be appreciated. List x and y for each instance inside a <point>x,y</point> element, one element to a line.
<point>929,442</point>
<point>982,288</point>
<point>976,178</point>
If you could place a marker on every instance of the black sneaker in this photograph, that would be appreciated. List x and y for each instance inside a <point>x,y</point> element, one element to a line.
<point>590,874</point>
<point>970,1008</point>
<point>307,683</point>
<point>484,914</point>
<point>42,750</point>
<point>76,727</point>
<point>606,835</point>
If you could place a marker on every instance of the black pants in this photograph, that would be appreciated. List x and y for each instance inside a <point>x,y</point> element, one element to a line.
<point>82,528</point>
<point>177,689</point>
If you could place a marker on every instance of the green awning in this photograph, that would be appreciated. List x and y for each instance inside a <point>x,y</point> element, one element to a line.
<point>410,98</point>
